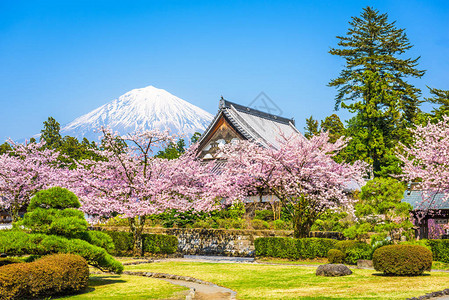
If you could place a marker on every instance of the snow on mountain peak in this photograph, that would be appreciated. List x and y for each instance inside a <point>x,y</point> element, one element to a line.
<point>141,109</point>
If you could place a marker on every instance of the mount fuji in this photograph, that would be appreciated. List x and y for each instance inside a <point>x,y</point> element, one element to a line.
<point>141,109</point>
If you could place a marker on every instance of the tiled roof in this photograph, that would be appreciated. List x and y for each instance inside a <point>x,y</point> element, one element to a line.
<point>419,201</point>
<point>253,124</point>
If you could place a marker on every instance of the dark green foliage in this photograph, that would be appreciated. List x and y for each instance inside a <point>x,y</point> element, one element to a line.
<point>123,241</point>
<point>281,225</point>
<point>311,128</point>
<point>195,137</point>
<point>160,244</point>
<point>53,211</point>
<point>58,274</point>
<point>9,260</point>
<point>381,197</point>
<point>281,247</point>
<point>402,260</point>
<point>440,249</point>
<point>173,151</point>
<point>50,134</point>
<point>67,222</point>
<point>15,242</point>
<point>70,148</point>
<point>354,250</point>
<point>284,247</point>
<point>441,98</point>
<point>58,227</point>
<point>55,197</point>
<point>335,256</point>
<point>265,215</point>
<point>5,148</point>
<point>98,238</point>
<point>314,247</point>
<point>152,243</point>
<point>334,127</point>
<point>331,220</point>
<point>373,84</point>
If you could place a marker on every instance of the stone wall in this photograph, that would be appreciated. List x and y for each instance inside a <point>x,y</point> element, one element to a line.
<point>226,242</point>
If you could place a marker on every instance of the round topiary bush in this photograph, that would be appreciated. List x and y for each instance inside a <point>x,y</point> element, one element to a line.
<point>402,260</point>
<point>335,256</point>
<point>55,197</point>
<point>57,274</point>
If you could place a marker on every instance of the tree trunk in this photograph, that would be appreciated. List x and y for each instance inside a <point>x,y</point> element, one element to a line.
<point>136,225</point>
<point>14,212</point>
<point>303,218</point>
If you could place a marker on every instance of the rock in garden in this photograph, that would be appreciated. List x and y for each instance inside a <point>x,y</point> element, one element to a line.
<point>332,270</point>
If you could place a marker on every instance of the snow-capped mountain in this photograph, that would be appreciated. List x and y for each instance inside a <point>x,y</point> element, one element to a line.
<point>141,109</point>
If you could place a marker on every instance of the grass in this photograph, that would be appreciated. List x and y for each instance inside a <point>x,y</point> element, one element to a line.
<point>252,281</point>
<point>106,286</point>
<point>438,265</point>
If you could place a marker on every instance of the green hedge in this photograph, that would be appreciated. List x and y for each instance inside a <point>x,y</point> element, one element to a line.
<point>402,260</point>
<point>16,242</point>
<point>160,244</point>
<point>335,256</point>
<point>51,275</point>
<point>152,243</point>
<point>284,247</point>
<point>354,250</point>
<point>440,249</point>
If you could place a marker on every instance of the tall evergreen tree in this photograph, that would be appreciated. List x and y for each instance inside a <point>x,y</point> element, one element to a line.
<point>334,126</point>
<point>50,134</point>
<point>311,128</point>
<point>441,98</point>
<point>374,85</point>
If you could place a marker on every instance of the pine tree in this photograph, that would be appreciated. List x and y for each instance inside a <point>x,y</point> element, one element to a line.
<point>373,85</point>
<point>441,98</point>
<point>311,128</point>
<point>334,126</point>
<point>50,134</point>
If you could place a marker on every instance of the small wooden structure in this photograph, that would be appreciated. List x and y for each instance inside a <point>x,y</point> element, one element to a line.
<point>430,212</point>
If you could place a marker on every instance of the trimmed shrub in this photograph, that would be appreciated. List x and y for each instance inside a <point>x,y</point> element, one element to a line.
<point>440,249</point>
<point>152,243</point>
<point>280,225</point>
<point>50,275</point>
<point>55,197</point>
<point>99,239</point>
<point>259,224</point>
<point>264,215</point>
<point>335,256</point>
<point>281,247</point>
<point>284,247</point>
<point>17,242</point>
<point>123,242</point>
<point>402,260</point>
<point>314,247</point>
<point>354,250</point>
<point>160,243</point>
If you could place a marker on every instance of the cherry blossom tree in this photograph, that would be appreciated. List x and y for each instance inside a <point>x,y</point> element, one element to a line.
<point>426,161</point>
<point>300,172</point>
<point>25,170</point>
<point>130,181</point>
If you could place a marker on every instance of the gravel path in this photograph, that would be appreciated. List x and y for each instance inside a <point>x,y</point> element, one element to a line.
<point>199,289</point>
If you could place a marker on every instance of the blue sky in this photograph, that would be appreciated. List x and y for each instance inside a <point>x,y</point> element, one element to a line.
<point>65,58</point>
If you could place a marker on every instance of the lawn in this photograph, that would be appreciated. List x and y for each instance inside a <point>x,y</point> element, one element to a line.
<point>256,281</point>
<point>106,286</point>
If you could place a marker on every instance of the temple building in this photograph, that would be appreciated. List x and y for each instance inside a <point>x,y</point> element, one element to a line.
<point>235,122</point>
